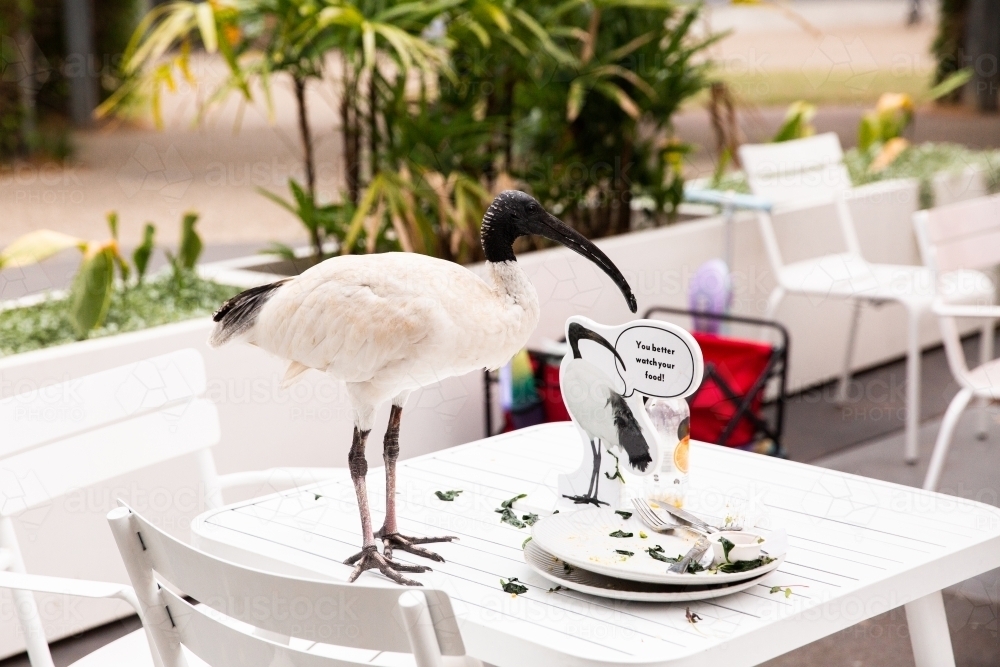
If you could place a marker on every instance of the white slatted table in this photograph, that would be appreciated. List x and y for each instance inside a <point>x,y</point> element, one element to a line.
<point>861,546</point>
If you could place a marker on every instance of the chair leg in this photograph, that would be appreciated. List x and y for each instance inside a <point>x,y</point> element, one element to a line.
<point>929,635</point>
<point>24,602</point>
<point>913,387</point>
<point>845,376</point>
<point>951,416</point>
<point>985,354</point>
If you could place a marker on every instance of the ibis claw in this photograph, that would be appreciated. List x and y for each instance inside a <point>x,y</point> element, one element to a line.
<point>585,500</point>
<point>393,541</point>
<point>370,559</point>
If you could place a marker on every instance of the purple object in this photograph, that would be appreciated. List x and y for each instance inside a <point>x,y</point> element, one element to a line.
<point>710,291</point>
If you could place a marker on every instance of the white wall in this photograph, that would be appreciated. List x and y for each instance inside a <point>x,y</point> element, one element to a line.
<point>310,424</point>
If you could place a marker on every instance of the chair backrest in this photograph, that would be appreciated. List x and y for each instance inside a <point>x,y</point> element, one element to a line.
<point>83,432</point>
<point>802,172</point>
<point>798,170</point>
<point>963,235</point>
<point>234,600</point>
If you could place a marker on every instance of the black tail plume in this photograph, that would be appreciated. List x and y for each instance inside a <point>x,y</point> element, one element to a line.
<point>630,434</point>
<point>240,312</point>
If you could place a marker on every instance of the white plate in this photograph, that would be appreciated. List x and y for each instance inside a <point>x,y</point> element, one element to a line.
<point>583,539</point>
<point>584,581</point>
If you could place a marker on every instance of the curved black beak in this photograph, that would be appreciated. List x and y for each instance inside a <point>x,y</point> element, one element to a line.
<point>578,332</point>
<point>554,229</point>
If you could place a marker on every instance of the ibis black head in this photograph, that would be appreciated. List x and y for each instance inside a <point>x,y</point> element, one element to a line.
<point>578,332</point>
<point>514,213</point>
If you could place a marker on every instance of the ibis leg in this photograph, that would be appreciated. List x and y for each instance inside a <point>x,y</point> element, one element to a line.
<point>391,539</point>
<point>369,558</point>
<point>595,476</point>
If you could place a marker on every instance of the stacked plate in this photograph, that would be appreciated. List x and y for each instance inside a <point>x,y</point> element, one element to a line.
<point>601,552</point>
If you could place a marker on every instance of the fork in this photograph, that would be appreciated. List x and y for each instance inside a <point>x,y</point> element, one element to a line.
<point>650,518</point>
<point>656,522</point>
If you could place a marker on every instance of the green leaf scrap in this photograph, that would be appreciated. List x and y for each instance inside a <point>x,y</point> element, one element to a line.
<point>624,514</point>
<point>511,586</point>
<point>744,565</point>
<point>619,533</point>
<point>507,514</point>
<point>618,472</point>
<point>623,552</point>
<point>447,496</point>
<point>727,546</point>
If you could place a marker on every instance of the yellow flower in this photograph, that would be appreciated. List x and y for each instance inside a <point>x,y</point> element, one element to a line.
<point>232,33</point>
<point>890,151</point>
<point>890,102</point>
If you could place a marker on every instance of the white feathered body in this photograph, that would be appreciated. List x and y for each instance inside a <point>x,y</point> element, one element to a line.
<point>389,323</point>
<point>587,391</point>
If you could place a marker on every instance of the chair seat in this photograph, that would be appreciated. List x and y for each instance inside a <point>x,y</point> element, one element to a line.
<point>847,275</point>
<point>966,286</point>
<point>132,650</point>
<point>985,379</point>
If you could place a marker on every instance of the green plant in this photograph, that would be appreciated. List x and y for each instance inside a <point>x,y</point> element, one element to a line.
<point>140,306</point>
<point>91,291</point>
<point>443,102</point>
<point>189,249</point>
<point>425,212</point>
<point>894,111</point>
<point>261,38</point>
<point>143,253</point>
<point>949,43</point>
<point>609,109</point>
<point>797,123</point>
<point>322,221</point>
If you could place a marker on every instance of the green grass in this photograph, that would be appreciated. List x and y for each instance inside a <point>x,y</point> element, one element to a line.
<point>155,302</point>
<point>780,88</point>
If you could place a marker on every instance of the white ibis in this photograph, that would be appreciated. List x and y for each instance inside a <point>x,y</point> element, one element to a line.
<point>600,410</point>
<point>389,323</point>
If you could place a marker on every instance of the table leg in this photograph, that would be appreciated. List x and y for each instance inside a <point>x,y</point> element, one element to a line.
<point>929,632</point>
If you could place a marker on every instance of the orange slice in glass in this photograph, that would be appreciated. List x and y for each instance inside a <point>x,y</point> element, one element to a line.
<point>681,455</point>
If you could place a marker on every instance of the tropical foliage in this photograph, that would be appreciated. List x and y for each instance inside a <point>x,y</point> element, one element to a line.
<point>445,101</point>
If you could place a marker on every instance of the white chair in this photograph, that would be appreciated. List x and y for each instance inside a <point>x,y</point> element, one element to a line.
<point>810,172</point>
<point>249,618</point>
<point>955,241</point>
<point>84,432</point>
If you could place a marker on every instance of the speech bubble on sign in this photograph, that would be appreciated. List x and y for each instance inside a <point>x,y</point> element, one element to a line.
<point>658,361</point>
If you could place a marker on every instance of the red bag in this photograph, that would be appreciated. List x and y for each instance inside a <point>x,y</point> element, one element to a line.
<point>739,364</point>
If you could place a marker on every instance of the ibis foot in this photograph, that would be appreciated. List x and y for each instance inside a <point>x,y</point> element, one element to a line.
<point>585,500</point>
<point>393,541</point>
<point>370,559</point>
